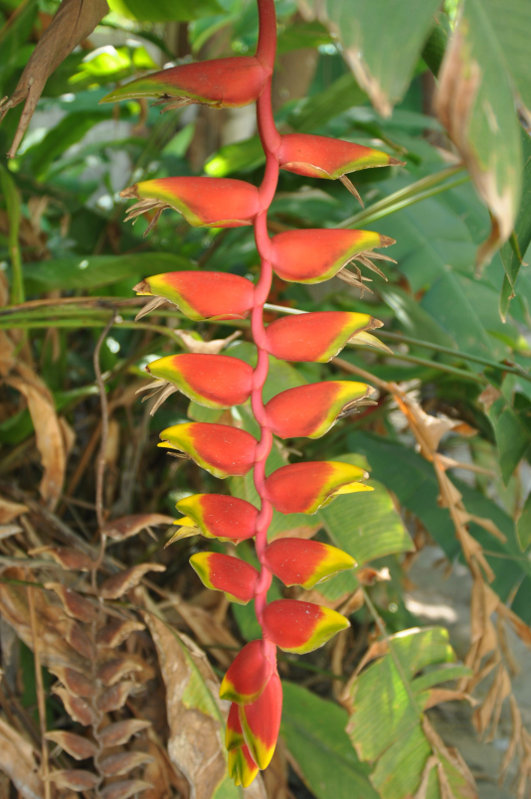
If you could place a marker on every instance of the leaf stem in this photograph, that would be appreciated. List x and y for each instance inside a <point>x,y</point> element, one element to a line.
<point>403,198</point>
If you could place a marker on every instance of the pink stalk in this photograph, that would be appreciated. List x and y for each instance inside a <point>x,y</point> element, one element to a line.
<point>270,139</point>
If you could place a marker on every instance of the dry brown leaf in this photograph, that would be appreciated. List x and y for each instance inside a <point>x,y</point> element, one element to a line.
<point>422,790</point>
<point>75,605</point>
<point>75,634</point>
<point>124,789</point>
<point>77,746</point>
<point>7,349</point>
<point>120,732</point>
<point>123,762</point>
<point>437,696</point>
<point>49,435</point>
<point>368,575</point>
<point>77,708</point>
<point>116,631</point>
<point>116,696</point>
<point>208,630</point>
<point>118,585</point>
<point>213,347</point>
<point>75,778</point>
<point>127,526</point>
<point>456,97</point>
<point>73,22</point>
<point>67,557</point>
<point>53,648</point>
<point>466,791</point>
<point>75,681</point>
<point>17,760</point>
<point>115,669</point>
<point>10,510</point>
<point>195,744</point>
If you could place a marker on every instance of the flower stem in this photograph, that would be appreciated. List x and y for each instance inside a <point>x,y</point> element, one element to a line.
<point>270,140</point>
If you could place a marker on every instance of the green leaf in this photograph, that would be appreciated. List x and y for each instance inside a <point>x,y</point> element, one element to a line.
<point>12,199</point>
<point>66,133</point>
<point>523,525</point>
<point>165,10</point>
<point>314,731</point>
<point>366,525</point>
<point>512,253</point>
<point>368,31</point>
<point>512,436</point>
<point>475,102</point>
<point>91,271</point>
<point>389,700</point>
<point>511,22</point>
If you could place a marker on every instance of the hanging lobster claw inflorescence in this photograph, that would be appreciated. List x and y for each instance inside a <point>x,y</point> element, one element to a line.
<point>252,683</point>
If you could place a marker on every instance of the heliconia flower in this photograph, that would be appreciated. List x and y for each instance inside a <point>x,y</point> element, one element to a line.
<point>300,627</point>
<point>236,578</point>
<point>217,516</point>
<point>260,721</point>
<point>207,202</point>
<point>201,295</point>
<point>221,82</point>
<point>216,381</point>
<point>316,336</point>
<point>306,487</point>
<point>241,766</point>
<point>219,448</point>
<point>248,674</point>
<point>233,729</point>
<point>324,157</point>
<point>297,561</point>
<point>312,409</point>
<point>311,256</point>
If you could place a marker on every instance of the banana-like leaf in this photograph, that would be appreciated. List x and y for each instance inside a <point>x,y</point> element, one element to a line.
<point>387,727</point>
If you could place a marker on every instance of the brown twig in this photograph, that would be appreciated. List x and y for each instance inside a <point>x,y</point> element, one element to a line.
<point>39,688</point>
<point>100,463</point>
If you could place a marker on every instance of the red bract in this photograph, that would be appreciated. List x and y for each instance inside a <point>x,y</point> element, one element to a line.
<point>311,256</point>
<point>306,487</point>
<point>202,295</point>
<point>223,83</point>
<point>296,561</point>
<point>204,202</point>
<point>311,410</point>
<point>220,449</point>
<point>260,722</point>
<point>322,157</point>
<point>300,627</point>
<point>218,516</point>
<point>248,674</point>
<point>236,578</point>
<point>316,336</point>
<point>216,381</point>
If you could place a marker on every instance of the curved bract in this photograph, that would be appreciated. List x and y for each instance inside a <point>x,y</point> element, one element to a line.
<point>204,202</point>
<point>222,83</point>
<point>311,410</point>
<point>316,336</point>
<point>216,381</point>
<point>306,487</point>
<point>220,449</point>
<point>314,255</point>
<point>202,295</point>
<point>218,516</point>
